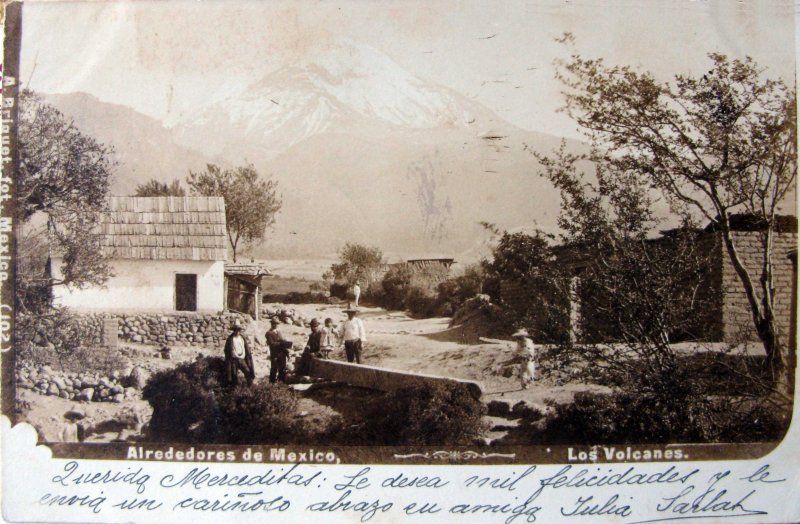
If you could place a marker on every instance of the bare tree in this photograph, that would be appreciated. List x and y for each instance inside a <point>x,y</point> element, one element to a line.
<point>713,145</point>
<point>250,202</point>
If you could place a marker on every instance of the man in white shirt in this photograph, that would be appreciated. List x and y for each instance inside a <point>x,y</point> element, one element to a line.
<point>526,354</point>
<point>353,335</point>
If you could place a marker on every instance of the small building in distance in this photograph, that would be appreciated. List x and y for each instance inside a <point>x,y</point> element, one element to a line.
<point>165,253</point>
<point>244,286</point>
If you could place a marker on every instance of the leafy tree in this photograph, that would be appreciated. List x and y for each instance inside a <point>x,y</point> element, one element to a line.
<point>356,263</point>
<point>528,261</point>
<point>636,295</point>
<point>64,178</point>
<point>712,145</point>
<point>250,202</point>
<point>154,188</point>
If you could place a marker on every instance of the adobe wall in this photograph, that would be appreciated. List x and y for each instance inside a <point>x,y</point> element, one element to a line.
<point>736,316</point>
<point>145,285</point>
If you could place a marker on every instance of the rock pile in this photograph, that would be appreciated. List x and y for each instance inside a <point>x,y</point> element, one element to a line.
<point>87,387</point>
<point>191,329</point>
<point>286,315</point>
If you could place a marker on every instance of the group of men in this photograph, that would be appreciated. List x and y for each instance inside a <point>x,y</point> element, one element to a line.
<point>321,342</point>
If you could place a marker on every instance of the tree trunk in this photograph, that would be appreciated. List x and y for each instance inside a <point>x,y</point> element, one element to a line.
<point>762,312</point>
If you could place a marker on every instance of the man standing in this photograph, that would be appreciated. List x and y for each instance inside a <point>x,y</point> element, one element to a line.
<point>238,356</point>
<point>526,354</point>
<point>353,335</point>
<point>356,292</point>
<point>278,352</point>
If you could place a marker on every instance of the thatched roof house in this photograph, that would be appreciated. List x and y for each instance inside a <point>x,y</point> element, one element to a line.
<point>165,228</point>
<point>166,253</point>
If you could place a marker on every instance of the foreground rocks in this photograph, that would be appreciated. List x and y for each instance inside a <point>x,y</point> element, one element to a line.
<point>86,387</point>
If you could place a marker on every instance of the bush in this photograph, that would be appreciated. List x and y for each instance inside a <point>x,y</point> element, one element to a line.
<point>296,297</point>
<point>625,418</point>
<point>420,304</point>
<point>184,401</point>
<point>442,414</point>
<point>260,413</point>
<point>54,329</point>
<point>191,403</point>
<point>454,292</point>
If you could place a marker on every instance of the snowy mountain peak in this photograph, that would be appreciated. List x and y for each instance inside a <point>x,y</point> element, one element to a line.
<point>346,87</point>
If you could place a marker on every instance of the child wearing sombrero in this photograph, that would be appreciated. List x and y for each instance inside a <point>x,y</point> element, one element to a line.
<point>526,353</point>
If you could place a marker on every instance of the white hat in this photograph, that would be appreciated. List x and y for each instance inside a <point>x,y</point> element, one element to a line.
<point>522,332</point>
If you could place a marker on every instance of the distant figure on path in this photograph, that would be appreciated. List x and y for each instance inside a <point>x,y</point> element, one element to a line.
<point>278,352</point>
<point>353,335</point>
<point>526,354</point>
<point>328,339</point>
<point>356,292</point>
<point>238,356</point>
<point>312,348</point>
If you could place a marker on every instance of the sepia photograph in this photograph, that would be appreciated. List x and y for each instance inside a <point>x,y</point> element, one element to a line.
<point>401,231</point>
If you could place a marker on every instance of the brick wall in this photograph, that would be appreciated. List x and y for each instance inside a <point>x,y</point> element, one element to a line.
<point>727,316</point>
<point>736,317</point>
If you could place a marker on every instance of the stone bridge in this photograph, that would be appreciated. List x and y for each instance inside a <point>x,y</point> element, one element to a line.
<point>381,379</point>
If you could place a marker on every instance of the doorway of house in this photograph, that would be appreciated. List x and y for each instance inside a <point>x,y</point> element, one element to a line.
<point>185,292</point>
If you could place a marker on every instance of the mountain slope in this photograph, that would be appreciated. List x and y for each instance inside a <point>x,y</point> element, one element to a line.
<point>144,148</point>
<point>362,151</point>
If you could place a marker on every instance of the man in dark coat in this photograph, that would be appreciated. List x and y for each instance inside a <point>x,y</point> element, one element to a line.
<point>278,352</point>
<point>238,356</point>
<point>312,348</point>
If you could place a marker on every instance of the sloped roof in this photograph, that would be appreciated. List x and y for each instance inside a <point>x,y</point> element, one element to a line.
<point>165,228</point>
<point>250,269</point>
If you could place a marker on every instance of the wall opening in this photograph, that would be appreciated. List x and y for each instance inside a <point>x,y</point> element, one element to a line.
<point>186,292</point>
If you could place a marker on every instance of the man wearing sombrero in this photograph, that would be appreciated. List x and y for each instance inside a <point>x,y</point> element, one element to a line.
<point>278,351</point>
<point>353,335</point>
<point>238,356</point>
<point>526,353</point>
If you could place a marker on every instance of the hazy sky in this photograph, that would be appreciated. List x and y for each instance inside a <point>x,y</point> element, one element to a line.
<point>164,59</point>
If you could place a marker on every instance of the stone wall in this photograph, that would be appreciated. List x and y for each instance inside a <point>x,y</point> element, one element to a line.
<point>185,328</point>
<point>736,316</point>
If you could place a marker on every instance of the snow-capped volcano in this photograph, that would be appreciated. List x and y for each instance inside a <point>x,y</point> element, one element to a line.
<point>339,89</point>
<point>362,151</point>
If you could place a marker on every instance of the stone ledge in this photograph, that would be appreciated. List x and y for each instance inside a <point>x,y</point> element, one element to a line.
<point>381,379</point>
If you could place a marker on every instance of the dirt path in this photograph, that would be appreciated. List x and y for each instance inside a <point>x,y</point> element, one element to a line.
<point>395,341</point>
<point>429,346</point>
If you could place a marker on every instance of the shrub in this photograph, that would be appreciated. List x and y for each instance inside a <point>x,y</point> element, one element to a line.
<point>454,292</point>
<point>594,418</point>
<point>421,304</point>
<point>262,413</point>
<point>393,288</point>
<point>54,329</point>
<point>296,297</point>
<point>432,414</point>
<point>184,401</point>
<point>191,403</point>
